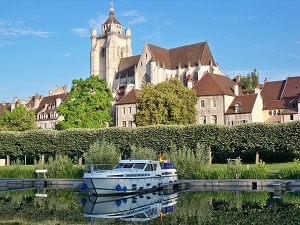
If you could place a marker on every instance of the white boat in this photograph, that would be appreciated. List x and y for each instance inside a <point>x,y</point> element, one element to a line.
<point>130,176</point>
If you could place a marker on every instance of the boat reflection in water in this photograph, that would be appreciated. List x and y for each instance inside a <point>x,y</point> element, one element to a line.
<point>130,208</point>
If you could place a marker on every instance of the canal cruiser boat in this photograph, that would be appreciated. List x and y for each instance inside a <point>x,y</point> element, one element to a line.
<point>139,207</point>
<point>130,176</point>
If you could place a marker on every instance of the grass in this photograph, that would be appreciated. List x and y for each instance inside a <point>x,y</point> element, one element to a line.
<point>28,171</point>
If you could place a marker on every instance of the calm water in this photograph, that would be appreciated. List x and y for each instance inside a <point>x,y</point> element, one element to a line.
<point>49,206</point>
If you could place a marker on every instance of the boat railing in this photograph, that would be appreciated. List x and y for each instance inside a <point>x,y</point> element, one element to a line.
<point>99,167</point>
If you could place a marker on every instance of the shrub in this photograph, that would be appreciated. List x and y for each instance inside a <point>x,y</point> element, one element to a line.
<point>142,153</point>
<point>258,171</point>
<point>290,172</point>
<point>102,153</point>
<point>60,167</point>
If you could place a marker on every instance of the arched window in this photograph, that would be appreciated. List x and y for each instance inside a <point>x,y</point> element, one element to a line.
<point>195,76</point>
<point>102,52</point>
<point>146,79</point>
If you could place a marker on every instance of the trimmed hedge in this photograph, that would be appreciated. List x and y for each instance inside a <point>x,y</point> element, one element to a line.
<point>252,137</point>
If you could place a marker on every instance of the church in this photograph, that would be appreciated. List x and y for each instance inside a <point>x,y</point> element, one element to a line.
<point>111,58</point>
<point>219,99</point>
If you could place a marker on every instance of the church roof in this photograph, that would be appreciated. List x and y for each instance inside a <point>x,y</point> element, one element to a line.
<point>213,84</point>
<point>127,66</point>
<point>130,98</point>
<point>193,54</point>
<point>246,103</point>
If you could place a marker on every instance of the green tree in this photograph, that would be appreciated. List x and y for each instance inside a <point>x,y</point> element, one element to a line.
<point>168,103</point>
<point>250,81</point>
<point>87,105</point>
<point>19,119</point>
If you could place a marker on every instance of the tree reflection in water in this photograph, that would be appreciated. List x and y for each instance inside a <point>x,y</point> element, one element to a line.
<point>68,207</point>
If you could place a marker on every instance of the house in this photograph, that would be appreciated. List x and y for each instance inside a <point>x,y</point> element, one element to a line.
<point>45,107</point>
<point>126,108</point>
<point>245,109</point>
<point>281,100</point>
<point>215,93</point>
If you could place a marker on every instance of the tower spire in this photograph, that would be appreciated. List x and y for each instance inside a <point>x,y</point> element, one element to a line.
<point>111,9</point>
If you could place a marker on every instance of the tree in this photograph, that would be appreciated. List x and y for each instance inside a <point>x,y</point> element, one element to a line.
<point>168,102</point>
<point>19,119</point>
<point>87,105</point>
<point>250,81</point>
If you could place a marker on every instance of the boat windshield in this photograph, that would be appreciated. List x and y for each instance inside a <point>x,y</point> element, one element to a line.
<point>131,165</point>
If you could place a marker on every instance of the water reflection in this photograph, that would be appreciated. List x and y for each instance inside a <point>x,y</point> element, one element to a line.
<point>53,206</point>
<point>143,207</point>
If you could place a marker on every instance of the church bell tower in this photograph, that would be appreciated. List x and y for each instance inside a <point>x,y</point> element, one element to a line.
<point>108,48</point>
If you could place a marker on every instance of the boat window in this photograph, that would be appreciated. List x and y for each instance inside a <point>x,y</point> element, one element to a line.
<point>128,165</point>
<point>150,167</point>
<point>119,166</point>
<point>154,166</point>
<point>139,165</point>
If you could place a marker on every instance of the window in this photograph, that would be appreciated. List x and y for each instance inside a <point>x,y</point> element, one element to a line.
<point>195,76</point>
<point>130,123</point>
<point>123,123</point>
<point>129,109</point>
<point>141,63</point>
<point>146,55</point>
<point>237,108</point>
<point>213,103</point>
<point>293,105</point>
<point>102,52</point>
<point>291,117</point>
<point>146,79</point>
<point>202,103</point>
<point>274,112</point>
<point>123,110</point>
<point>203,119</point>
<point>214,119</point>
<point>278,112</point>
<point>244,121</point>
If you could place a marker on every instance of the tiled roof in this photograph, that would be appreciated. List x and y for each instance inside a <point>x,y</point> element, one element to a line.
<point>111,19</point>
<point>245,101</point>
<point>130,98</point>
<point>183,55</point>
<point>274,104</point>
<point>292,88</point>
<point>288,112</point>
<point>272,90</point>
<point>48,100</point>
<point>213,84</point>
<point>127,66</point>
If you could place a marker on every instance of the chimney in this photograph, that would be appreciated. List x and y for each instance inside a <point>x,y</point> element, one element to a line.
<point>50,93</point>
<point>65,88</point>
<point>265,80</point>
<point>238,78</point>
<point>257,89</point>
<point>236,89</point>
<point>36,101</point>
<point>57,102</point>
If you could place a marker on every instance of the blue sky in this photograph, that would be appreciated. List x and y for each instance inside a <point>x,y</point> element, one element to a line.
<point>44,44</point>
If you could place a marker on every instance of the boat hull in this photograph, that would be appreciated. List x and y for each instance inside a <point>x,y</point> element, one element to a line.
<point>109,186</point>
